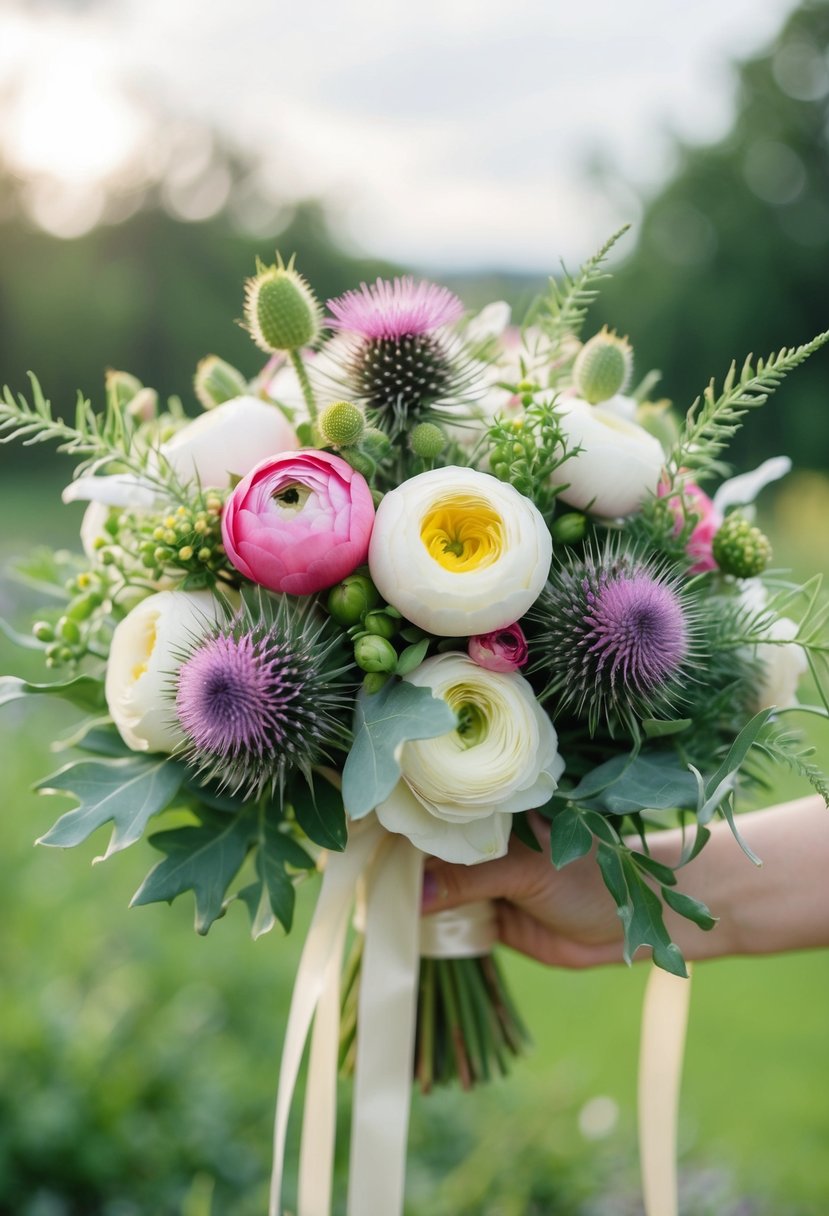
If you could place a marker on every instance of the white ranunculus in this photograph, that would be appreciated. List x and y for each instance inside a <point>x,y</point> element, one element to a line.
<point>147,647</point>
<point>458,552</point>
<point>458,792</point>
<point>619,463</point>
<point>784,663</point>
<point>229,440</point>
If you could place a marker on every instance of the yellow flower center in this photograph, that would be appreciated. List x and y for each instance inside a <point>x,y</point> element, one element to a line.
<point>463,533</point>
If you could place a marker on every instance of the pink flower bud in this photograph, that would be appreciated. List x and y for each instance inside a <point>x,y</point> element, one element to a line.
<point>503,650</point>
<point>694,502</point>
<point>299,522</point>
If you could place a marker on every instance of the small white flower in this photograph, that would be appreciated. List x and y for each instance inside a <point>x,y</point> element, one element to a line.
<point>618,466</point>
<point>458,792</point>
<point>228,441</point>
<point>784,665</point>
<point>147,647</point>
<point>458,552</point>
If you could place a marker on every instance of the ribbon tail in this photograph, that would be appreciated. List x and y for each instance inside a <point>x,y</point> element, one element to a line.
<point>664,1021</point>
<point>385,1032</point>
<point>338,886</point>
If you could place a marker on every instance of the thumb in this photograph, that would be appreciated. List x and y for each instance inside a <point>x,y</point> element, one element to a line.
<point>448,886</point>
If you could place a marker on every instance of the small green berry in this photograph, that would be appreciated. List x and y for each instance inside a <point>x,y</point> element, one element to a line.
<point>569,528</point>
<point>351,599</point>
<point>427,440</point>
<point>43,631</point>
<point>741,549</point>
<point>341,424</point>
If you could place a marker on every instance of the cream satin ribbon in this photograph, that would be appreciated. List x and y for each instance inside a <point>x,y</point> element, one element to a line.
<point>390,870</point>
<point>664,1021</point>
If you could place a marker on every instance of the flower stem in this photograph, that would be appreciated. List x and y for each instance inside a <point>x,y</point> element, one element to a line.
<point>304,384</point>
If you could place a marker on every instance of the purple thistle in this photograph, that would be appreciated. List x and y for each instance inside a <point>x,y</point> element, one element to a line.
<point>234,696</point>
<point>263,694</point>
<point>393,310</point>
<point>635,630</point>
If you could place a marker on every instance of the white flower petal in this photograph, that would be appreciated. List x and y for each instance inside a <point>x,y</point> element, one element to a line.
<point>229,441</point>
<point>115,490</point>
<point>464,844</point>
<point>742,490</point>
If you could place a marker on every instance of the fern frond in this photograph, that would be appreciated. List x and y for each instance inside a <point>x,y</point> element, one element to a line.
<point>714,418</point>
<point>561,313</point>
<point>94,436</point>
<point>782,746</point>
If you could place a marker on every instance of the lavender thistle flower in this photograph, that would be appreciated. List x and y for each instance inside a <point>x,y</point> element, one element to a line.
<point>261,695</point>
<point>615,634</point>
<point>402,362</point>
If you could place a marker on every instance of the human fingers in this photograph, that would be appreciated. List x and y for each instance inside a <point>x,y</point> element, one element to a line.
<point>522,931</point>
<point>519,874</point>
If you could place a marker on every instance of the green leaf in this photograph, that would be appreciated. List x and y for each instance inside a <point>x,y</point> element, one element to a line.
<point>86,692</point>
<point>653,781</point>
<point>522,830</point>
<point>320,813</point>
<point>570,838</point>
<point>127,792</point>
<point>400,711</point>
<point>640,911</point>
<point>692,909</point>
<point>663,874</point>
<point>656,728</point>
<point>412,657</point>
<point>203,859</point>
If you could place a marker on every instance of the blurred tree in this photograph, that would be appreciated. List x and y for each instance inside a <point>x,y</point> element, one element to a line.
<point>732,252</point>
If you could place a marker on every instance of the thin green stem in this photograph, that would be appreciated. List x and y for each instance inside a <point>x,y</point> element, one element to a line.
<point>304,384</point>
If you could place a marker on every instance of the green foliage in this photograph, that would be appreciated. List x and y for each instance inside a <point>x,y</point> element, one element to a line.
<point>84,692</point>
<point>526,451</point>
<point>127,792</point>
<point>383,722</point>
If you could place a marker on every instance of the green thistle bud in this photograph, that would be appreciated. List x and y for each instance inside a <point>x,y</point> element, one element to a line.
<point>216,382</point>
<point>351,599</point>
<point>341,424</point>
<point>741,549</point>
<point>427,440</point>
<point>281,311</point>
<point>121,387</point>
<point>381,624</point>
<point>602,367</point>
<point>569,528</point>
<point>374,653</point>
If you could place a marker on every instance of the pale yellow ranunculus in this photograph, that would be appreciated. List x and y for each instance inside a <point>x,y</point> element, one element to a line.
<point>458,792</point>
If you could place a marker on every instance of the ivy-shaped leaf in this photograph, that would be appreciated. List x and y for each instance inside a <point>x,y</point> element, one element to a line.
<point>127,792</point>
<point>570,838</point>
<point>204,859</point>
<point>640,911</point>
<point>86,692</point>
<point>400,711</point>
<point>320,812</point>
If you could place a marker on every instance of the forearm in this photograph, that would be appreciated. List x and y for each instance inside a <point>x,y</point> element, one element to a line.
<point>781,905</point>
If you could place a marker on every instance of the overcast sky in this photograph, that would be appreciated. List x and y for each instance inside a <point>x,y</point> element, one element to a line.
<point>447,133</point>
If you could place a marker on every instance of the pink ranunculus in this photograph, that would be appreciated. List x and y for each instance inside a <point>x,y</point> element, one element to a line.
<point>299,522</point>
<point>696,503</point>
<point>503,650</point>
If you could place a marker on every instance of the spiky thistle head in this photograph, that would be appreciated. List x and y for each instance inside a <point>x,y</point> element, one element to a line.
<point>402,362</point>
<point>603,367</point>
<point>281,311</point>
<point>614,635</point>
<point>266,693</point>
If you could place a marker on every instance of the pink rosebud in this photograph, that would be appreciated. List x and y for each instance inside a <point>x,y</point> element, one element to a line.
<point>503,650</point>
<point>694,502</point>
<point>299,522</point>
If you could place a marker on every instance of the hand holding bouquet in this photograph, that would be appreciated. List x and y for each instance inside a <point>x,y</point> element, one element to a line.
<point>432,574</point>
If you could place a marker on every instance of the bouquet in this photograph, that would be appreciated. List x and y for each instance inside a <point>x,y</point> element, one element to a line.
<point>423,574</point>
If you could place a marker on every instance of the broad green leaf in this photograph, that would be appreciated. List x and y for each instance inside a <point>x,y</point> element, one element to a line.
<point>656,728</point>
<point>640,911</point>
<point>320,813</point>
<point>127,792</point>
<point>570,838</point>
<point>692,909</point>
<point>400,711</point>
<point>653,781</point>
<point>204,859</point>
<point>412,657</point>
<point>601,827</point>
<point>86,692</point>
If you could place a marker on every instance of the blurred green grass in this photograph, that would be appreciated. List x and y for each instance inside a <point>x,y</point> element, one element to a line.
<point>138,1062</point>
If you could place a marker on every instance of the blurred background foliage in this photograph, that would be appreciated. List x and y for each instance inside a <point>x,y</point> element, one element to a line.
<point>137,1061</point>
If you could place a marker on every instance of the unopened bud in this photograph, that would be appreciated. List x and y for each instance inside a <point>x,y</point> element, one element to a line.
<point>373,653</point>
<point>351,599</point>
<point>569,528</point>
<point>341,424</point>
<point>216,382</point>
<point>281,311</point>
<point>427,440</point>
<point>740,549</point>
<point>602,367</point>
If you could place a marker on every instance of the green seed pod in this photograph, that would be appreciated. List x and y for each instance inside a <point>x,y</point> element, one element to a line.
<point>741,549</point>
<point>281,311</point>
<point>569,528</point>
<point>216,382</point>
<point>380,624</point>
<point>373,653</point>
<point>427,440</point>
<point>351,599</point>
<point>603,367</point>
<point>341,424</point>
